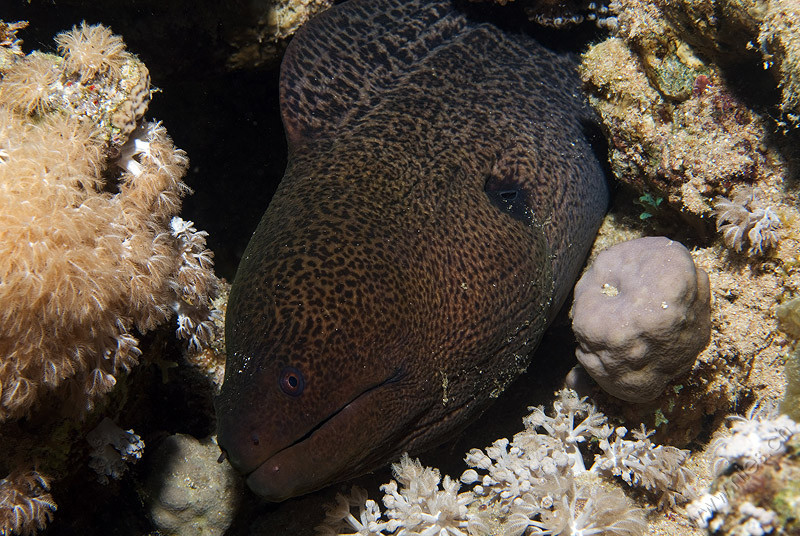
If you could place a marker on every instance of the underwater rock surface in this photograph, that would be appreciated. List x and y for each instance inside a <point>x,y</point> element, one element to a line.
<point>187,492</point>
<point>228,123</point>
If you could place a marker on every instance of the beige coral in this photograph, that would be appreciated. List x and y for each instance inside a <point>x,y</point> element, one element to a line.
<point>81,266</point>
<point>26,86</point>
<point>91,50</point>
<point>92,251</point>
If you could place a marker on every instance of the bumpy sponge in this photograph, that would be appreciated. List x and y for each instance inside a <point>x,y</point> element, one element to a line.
<point>641,314</point>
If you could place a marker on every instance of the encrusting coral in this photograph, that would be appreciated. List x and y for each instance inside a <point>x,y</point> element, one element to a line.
<point>92,251</point>
<point>535,484</point>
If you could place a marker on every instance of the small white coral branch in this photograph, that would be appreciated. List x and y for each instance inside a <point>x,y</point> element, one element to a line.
<point>112,450</point>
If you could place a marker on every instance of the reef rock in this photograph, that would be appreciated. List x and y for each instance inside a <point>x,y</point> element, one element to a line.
<point>187,492</point>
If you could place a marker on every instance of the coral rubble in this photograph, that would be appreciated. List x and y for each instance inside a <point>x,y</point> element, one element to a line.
<point>92,251</point>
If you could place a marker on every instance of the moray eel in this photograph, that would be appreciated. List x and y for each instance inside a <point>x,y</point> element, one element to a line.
<point>440,197</point>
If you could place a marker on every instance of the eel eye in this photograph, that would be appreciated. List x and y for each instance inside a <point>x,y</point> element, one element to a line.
<point>509,196</point>
<point>291,381</point>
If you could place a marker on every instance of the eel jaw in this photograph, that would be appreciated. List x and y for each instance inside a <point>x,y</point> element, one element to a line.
<point>333,451</point>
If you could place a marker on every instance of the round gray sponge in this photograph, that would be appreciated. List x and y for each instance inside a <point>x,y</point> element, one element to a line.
<point>641,315</point>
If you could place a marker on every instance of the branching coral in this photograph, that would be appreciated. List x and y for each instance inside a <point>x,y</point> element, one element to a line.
<point>657,468</point>
<point>744,221</point>
<point>535,484</point>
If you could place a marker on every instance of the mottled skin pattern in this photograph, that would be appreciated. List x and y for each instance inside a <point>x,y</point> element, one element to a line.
<point>394,294</point>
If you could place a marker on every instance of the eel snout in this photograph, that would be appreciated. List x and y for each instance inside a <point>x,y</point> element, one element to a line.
<point>277,466</point>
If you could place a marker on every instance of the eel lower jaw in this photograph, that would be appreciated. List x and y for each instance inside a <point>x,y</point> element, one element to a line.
<point>329,453</point>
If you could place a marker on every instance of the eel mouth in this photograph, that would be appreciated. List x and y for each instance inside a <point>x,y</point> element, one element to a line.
<point>328,452</point>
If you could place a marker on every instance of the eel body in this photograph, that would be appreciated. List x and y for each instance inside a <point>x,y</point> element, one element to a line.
<point>440,197</point>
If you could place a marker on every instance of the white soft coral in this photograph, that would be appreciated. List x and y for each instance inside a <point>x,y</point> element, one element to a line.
<point>416,505</point>
<point>743,220</point>
<point>761,434</point>
<point>536,483</point>
<point>574,421</point>
<point>639,462</point>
